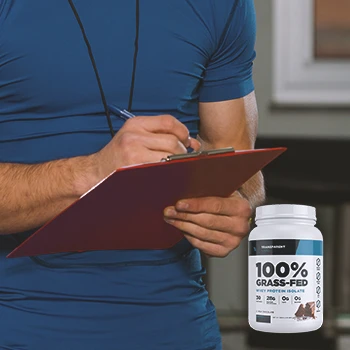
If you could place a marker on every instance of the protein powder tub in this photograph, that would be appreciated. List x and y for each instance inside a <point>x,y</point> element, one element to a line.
<point>285,270</point>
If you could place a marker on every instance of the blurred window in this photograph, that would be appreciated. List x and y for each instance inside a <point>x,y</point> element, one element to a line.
<point>311,52</point>
<point>332,29</point>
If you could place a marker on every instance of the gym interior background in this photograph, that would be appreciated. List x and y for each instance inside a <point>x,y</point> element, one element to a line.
<point>302,78</point>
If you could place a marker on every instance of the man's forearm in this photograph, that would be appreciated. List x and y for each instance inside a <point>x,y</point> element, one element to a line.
<point>254,190</point>
<point>30,195</point>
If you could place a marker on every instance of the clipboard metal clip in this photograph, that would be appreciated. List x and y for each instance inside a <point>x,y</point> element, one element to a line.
<point>198,154</point>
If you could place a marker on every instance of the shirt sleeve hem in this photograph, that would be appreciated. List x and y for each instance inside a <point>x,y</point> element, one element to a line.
<point>225,92</point>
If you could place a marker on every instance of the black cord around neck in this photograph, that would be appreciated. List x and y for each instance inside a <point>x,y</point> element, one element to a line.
<point>17,238</point>
<point>92,59</point>
<point>93,62</point>
<point>131,94</point>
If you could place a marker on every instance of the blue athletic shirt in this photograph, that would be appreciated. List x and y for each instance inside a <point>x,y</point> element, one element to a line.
<point>190,51</point>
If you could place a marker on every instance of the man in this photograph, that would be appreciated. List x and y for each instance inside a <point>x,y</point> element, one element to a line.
<point>183,67</point>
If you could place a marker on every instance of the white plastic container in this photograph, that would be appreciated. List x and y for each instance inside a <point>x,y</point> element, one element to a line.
<point>285,270</point>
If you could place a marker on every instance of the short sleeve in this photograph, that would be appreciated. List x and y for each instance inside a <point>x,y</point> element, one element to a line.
<point>228,74</point>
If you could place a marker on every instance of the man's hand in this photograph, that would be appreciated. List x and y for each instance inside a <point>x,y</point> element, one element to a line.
<point>26,203</point>
<point>214,225</point>
<point>143,140</point>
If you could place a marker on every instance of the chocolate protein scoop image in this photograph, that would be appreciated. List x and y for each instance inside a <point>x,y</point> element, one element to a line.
<point>310,309</point>
<point>301,311</point>
<point>306,311</point>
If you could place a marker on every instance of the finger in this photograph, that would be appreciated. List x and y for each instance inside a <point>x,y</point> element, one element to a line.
<point>164,143</point>
<point>199,232</point>
<point>210,249</point>
<point>146,156</point>
<point>203,234</point>
<point>195,144</point>
<point>156,156</point>
<point>236,226</point>
<point>232,206</point>
<point>211,205</point>
<point>163,124</point>
<point>208,221</point>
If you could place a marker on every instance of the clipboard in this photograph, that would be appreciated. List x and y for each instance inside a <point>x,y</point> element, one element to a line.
<point>125,210</point>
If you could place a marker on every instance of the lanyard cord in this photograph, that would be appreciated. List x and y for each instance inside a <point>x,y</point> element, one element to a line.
<point>136,50</point>
<point>17,238</point>
<point>93,62</point>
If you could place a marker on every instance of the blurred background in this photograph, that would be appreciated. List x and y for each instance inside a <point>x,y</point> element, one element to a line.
<point>302,78</point>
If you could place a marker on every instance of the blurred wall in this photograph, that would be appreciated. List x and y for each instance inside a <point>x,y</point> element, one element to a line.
<point>228,277</point>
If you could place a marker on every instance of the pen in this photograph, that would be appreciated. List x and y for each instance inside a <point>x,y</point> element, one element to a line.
<point>122,113</point>
<point>125,115</point>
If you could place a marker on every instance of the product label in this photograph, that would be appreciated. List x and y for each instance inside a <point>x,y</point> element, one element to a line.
<point>285,280</point>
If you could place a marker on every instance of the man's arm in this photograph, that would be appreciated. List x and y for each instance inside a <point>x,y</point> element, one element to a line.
<point>33,194</point>
<point>30,195</point>
<point>233,123</point>
<point>217,225</point>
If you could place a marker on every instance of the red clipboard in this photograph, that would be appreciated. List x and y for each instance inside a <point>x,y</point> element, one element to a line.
<point>125,210</point>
